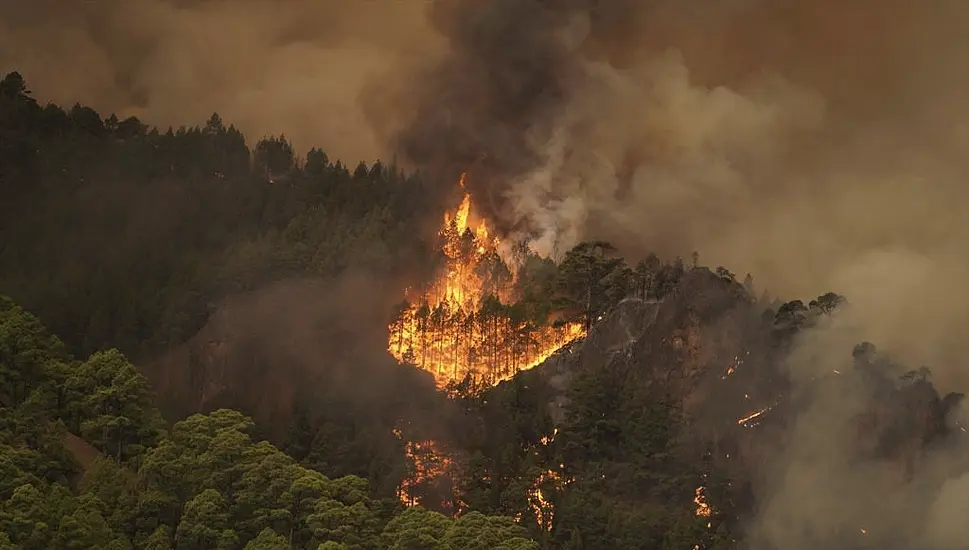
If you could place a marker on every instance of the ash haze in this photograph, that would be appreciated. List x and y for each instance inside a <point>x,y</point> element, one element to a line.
<point>816,144</point>
<point>820,145</point>
<point>269,66</point>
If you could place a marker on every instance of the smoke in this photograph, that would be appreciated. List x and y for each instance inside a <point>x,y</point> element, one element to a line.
<point>269,66</point>
<point>863,463</point>
<point>316,343</point>
<point>820,145</point>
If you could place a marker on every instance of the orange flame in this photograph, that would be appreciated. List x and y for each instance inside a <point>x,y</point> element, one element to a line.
<point>702,507</point>
<point>538,499</point>
<point>426,462</point>
<point>459,326</point>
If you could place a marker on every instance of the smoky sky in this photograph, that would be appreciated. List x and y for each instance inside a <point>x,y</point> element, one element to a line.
<point>817,144</point>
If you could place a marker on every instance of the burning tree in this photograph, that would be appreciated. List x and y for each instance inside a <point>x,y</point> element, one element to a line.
<point>464,323</point>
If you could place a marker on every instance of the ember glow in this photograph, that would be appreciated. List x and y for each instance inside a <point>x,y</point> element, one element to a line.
<point>538,493</point>
<point>460,325</point>
<point>748,420</point>
<point>702,507</point>
<point>426,462</point>
<point>734,365</point>
<point>538,501</point>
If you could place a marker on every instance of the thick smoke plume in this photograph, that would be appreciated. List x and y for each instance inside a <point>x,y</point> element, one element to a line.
<point>818,145</point>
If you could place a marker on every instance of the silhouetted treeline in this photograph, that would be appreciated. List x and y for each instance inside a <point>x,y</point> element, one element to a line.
<point>123,235</point>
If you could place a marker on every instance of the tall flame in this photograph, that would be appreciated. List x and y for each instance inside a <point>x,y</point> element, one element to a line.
<point>460,325</point>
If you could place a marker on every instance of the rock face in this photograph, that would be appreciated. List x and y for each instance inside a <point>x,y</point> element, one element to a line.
<point>714,354</point>
<point>692,343</point>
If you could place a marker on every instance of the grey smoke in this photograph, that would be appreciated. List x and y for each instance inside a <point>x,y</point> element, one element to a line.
<point>818,144</point>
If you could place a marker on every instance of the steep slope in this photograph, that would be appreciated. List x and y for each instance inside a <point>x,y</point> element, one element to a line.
<point>705,337</point>
<point>725,366</point>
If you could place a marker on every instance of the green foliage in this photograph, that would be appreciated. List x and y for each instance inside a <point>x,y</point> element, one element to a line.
<point>205,484</point>
<point>114,408</point>
<point>586,276</point>
<point>268,540</point>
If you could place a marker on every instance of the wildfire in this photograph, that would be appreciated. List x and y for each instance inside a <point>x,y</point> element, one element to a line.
<point>543,509</point>
<point>428,463</point>
<point>462,326</point>
<point>538,501</point>
<point>459,325</point>
<point>753,415</point>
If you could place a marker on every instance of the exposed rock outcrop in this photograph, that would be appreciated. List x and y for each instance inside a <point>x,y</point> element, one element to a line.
<point>711,351</point>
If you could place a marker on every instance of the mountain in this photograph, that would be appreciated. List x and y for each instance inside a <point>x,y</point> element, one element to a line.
<point>743,432</point>
<point>304,329</point>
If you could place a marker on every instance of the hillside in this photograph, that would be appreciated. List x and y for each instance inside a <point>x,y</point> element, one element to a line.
<point>204,483</point>
<point>353,358</point>
<point>697,399</point>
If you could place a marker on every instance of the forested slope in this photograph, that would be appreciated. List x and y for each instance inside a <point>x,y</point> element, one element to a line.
<point>121,235</point>
<point>204,483</point>
<point>257,281</point>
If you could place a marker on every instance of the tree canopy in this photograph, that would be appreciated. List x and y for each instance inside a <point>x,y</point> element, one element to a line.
<point>86,462</point>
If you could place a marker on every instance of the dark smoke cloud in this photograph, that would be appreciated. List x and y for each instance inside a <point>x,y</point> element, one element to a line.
<point>820,145</point>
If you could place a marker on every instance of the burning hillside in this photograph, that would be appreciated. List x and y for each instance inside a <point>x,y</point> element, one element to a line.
<point>462,325</point>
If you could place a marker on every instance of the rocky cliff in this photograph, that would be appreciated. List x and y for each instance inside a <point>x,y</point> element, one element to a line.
<point>862,435</point>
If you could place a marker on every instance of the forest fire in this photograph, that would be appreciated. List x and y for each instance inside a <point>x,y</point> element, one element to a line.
<point>429,463</point>
<point>543,509</point>
<point>461,325</point>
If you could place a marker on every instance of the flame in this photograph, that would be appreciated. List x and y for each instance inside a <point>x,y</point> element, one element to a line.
<point>459,326</point>
<point>539,503</point>
<point>427,462</point>
<point>754,415</point>
<point>734,365</point>
<point>538,500</point>
<point>702,507</point>
<point>745,420</point>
